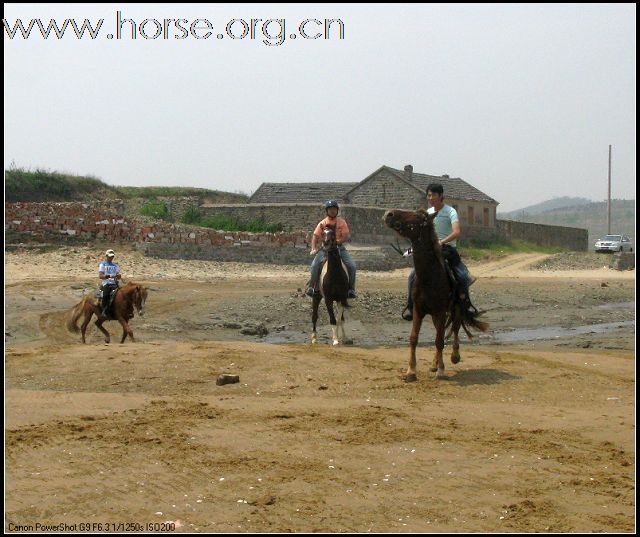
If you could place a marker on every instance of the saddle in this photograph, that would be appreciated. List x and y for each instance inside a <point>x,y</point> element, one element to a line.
<point>468,308</point>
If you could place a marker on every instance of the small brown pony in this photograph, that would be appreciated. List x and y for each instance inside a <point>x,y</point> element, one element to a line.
<point>129,296</point>
<point>432,293</point>
<point>334,287</point>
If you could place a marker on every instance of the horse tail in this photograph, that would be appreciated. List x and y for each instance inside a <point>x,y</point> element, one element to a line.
<point>472,322</point>
<point>467,321</point>
<point>76,312</point>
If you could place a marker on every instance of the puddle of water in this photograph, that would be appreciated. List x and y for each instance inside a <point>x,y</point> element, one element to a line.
<point>552,332</point>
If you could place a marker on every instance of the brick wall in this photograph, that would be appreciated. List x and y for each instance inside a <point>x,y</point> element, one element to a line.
<point>107,221</point>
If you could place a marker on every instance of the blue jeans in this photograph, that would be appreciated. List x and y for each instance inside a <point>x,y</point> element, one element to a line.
<point>316,267</point>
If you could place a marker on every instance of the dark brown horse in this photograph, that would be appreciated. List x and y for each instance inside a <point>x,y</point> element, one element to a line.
<point>129,296</point>
<point>334,286</point>
<point>432,293</point>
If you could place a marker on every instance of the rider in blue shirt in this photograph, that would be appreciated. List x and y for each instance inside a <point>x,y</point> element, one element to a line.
<point>447,227</point>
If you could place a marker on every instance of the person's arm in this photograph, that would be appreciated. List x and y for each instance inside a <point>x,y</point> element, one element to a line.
<point>455,233</point>
<point>345,235</point>
<point>314,244</point>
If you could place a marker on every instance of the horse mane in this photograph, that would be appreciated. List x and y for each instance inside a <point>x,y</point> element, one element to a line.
<point>432,237</point>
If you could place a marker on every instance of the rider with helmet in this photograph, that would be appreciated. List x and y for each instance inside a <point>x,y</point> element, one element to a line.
<point>342,235</point>
<point>109,273</point>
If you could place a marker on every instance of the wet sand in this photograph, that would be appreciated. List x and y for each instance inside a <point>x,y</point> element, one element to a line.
<point>531,436</point>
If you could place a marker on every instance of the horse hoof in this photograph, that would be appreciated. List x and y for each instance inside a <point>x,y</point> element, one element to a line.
<point>335,342</point>
<point>455,359</point>
<point>314,341</point>
<point>410,378</point>
<point>440,375</point>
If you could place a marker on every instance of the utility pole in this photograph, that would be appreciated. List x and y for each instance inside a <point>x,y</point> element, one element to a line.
<point>609,197</point>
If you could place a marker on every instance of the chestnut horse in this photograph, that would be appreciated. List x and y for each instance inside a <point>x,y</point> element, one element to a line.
<point>432,293</point>
<point>334,286</point>
<point>129,296</point>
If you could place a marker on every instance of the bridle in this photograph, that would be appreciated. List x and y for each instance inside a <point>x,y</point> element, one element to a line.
<point>138,301</point>
<point>412,228</point>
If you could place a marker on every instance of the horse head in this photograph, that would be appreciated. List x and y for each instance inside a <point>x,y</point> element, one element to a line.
<point>329,237</point>
<point>139,298</point>
<point>417,226</point>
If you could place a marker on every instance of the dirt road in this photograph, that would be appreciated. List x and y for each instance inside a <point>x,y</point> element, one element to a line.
<point>537,436</point>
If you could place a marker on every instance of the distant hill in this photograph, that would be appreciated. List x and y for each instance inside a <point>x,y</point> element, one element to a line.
<point>43,185</point>
<point>555,203</point>
<point>591,216</point>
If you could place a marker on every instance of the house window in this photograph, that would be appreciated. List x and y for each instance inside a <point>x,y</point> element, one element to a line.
<point>485,216</point>
<point>470,215</point>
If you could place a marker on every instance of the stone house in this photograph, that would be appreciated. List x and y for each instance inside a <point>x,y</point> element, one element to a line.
<point>388,188</point>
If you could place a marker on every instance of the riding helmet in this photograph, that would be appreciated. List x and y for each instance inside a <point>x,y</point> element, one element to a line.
<point>331,203</point>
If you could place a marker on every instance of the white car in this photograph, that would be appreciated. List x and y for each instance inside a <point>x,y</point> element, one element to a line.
<point>614,243</point>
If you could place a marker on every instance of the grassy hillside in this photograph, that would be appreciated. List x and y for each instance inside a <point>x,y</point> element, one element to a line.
<point>42,185</point>
<point>555,203</point>
<point>592,216</point>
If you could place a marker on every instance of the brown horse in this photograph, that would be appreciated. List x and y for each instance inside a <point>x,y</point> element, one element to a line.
<point>334,286</point>
<point>129,296</point>
<point>432,293</point>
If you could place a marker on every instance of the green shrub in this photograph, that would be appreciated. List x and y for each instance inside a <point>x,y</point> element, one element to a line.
<point>43,185</point>
<point>155,209</point>
<point>191,216</point>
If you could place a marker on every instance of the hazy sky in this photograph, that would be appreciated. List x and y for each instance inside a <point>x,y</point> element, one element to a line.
<point>522,101</point>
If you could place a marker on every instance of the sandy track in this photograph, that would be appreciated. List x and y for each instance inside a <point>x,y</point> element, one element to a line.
<point>520,438</point>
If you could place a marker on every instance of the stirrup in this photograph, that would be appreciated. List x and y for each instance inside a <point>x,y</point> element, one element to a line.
<point>407,314</point>
<point>351,294</point>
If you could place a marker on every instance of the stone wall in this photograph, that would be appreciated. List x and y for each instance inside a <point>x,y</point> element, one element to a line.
<point>365,223</point>
<point>623,261</point>
<point>108,222</point>
<point>571,238</point>
<point>176,206</point>
<point>385,190</point>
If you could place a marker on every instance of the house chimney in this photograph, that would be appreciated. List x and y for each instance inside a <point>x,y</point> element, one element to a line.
<point>408,172</point>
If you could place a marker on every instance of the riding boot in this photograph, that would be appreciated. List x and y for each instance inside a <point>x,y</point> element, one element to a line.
<point>407,312</point>
<point>468,309</point>
<point>311,290</point>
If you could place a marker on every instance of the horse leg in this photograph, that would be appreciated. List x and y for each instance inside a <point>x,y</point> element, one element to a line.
<point>413,343</point>
<point>98,323</point>
<point>314,318</point>
<point>126,331</point>
<point>439,321</point>
<point>455,328</point>
<point>344,336</point>
<point>85,323</point>
<point>332,320</point>
<point>340,322</point>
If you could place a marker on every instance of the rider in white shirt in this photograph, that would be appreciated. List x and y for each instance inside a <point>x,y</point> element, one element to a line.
<point>109,273</point>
